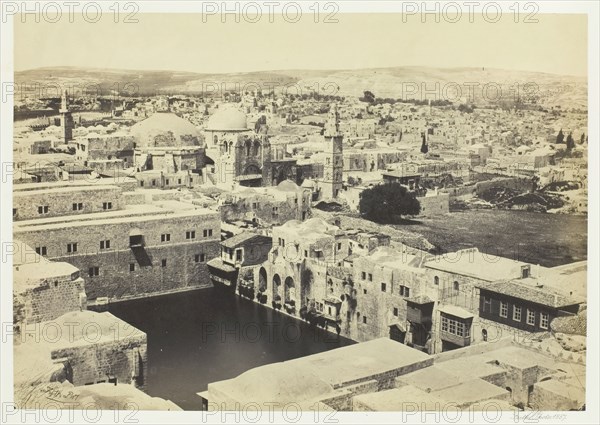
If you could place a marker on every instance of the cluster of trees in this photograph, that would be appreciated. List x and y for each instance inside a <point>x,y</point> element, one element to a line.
<point>385,203</point>
<point>570,142</point>
<point>466,108</point>
<point>369,97</point>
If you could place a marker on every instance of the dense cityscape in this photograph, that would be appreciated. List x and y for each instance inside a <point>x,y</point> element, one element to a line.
<point>308,205</point>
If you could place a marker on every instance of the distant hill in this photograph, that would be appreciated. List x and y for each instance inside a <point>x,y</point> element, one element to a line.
<point>396,82</point>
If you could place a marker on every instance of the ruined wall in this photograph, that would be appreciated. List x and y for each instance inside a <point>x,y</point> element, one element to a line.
<point>124,359</point>
<point>434,205</point>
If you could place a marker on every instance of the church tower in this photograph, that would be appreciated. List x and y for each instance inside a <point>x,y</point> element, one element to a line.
<point>66,119</point>
<point>333,170</point>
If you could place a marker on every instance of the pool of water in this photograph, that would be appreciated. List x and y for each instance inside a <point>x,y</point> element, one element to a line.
<point>203,336</point>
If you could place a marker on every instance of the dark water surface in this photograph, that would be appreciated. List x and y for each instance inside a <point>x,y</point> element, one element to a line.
<point>203,336</point>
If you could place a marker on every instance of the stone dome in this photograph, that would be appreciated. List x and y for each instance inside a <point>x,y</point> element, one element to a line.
<point>282,382</point>
<point>227,119</point>
<point>165,129</point>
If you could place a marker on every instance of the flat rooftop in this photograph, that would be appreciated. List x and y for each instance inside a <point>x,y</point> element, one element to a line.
<point>130,214</point>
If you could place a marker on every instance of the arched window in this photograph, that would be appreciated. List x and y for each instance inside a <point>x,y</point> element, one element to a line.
<point>436,280</point>
<point>248,147</point>
<point>456,285</point>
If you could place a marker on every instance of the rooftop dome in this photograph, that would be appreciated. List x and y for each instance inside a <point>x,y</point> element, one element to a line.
<point>283,382</point>
<point>227,119</point>
<point>165,129</point>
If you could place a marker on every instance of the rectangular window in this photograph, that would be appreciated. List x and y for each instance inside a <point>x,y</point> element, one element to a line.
<point>460,329</point>
<point>167,182</point>
<point>383,287</point>
<point>191,234</point>
<point>517,314</point>
<point>163,262</point>
<point>364,292</point>
<point>142,183</point>
<point>370,277</point>
<point>238,255</point>
<point>487,304</point>
<point>365,320</point>
<point>444,324</point>
<point>199,258</point>
<point>530,317</point>
<point>41,250</point>
<point>396,311</point>
<point>43,209</point>
<point>94,271</point>
<point>107,205</point>
<point>131,267</point>
<point>544,319</point>
<point>178,181</point>
<point>207,233</point>
<point>363,275</point>
<point>503,309</point>
<point>77,206</point>
<point>404,291</point>
<point>165,237</point>
<point>105,244</point>
<point>452,326</point>
<point>72,247</point>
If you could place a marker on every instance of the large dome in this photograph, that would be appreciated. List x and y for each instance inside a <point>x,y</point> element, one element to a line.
<point>227,119</point>
<point>165,129</point>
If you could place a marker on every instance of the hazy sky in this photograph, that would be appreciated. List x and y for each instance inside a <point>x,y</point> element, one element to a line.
<point>556,44</point>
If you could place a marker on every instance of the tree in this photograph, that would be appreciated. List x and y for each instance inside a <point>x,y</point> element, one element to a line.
<point>424,147</point>
<point>570,142</point>
<point>560,138</point>
<point>368,96</point>
<point>385,202</point>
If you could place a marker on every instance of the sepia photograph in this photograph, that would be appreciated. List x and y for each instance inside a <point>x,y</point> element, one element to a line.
<point>299,212</point>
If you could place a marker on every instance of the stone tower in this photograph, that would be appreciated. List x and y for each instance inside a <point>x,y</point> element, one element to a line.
<point>334,155</point>
<point>66,119</point>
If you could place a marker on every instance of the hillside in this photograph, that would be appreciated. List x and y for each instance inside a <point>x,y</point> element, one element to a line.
<point>549,89</point>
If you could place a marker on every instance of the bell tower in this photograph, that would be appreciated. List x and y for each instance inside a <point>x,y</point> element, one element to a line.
<point>334,156</point>
<point>66,119</point>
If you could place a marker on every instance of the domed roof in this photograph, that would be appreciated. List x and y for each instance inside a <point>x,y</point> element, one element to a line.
<point>284,382</point>
<point>227,119</point>
<point>287,186</point>
<point>165,129</point>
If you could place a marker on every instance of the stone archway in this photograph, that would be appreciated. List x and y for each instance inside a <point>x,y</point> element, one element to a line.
<point>276,287</point>
<point>290,289</point>
<point>262,280</point>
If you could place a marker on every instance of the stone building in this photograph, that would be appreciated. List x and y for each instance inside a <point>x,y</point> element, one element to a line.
<point>241,154</point>
<point>88,348</point>
<point>266,206</point>
<point>126,251</point>
<point>382,375</point>
<point>43,290</point>
<point>168,152</point>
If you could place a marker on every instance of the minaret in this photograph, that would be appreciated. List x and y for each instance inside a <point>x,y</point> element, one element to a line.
<point>333,169</point>
<point>66,119</point>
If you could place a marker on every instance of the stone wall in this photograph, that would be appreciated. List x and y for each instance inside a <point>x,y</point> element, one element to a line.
<point>60,201</point>
<point>124,359</point>
<point>114,278</point>
<point>55,298</point>
<point>434,205</point>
